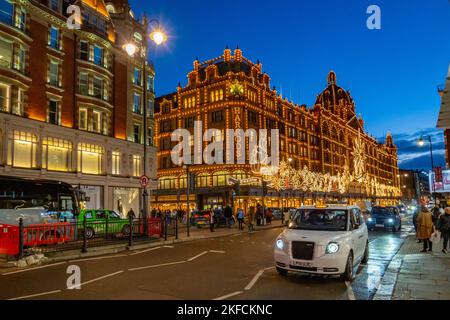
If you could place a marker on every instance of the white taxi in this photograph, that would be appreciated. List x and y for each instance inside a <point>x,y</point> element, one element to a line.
<point>326,239</point>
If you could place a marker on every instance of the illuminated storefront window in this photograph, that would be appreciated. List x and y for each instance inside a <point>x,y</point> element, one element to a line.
<point>220,178</point>
<point>115,162</point>
<point>202,180</point>
<point>22,149</point>
<point>136,166</point>
<point>183,182</point>
<point>166,183</point>
<point>90,158</point>
<point>56,154</point>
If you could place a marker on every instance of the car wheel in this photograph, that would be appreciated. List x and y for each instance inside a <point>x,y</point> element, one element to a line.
<point>90,233</point>
<point>348,274</point>
<point>126,229</point>
<point>282,272</point>
<point>365,258</point>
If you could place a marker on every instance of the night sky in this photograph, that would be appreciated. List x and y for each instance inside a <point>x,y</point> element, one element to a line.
<point>392,73</point>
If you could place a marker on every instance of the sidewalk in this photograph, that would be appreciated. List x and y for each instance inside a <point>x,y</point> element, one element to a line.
<point>195,234</point>
<point>412,275</point>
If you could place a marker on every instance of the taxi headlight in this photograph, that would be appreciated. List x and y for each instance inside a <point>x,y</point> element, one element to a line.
<point>332,247</point>
<point>370,219</point>
<point>280,244</point>
<point>390,220</point>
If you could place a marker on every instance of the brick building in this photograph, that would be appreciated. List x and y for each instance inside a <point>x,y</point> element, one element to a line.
<point>232,92</point>
<point>71,100</point>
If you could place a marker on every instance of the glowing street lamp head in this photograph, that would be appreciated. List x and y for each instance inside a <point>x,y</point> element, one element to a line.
<point>158,37</point>
<point>421,142</point>
<point>130,48</point>
<point>290,160</point>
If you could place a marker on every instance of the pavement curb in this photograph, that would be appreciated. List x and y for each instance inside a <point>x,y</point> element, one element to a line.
<point>119,248</point>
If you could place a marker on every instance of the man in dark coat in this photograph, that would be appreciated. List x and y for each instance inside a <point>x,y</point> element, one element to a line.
<point>228,215</point>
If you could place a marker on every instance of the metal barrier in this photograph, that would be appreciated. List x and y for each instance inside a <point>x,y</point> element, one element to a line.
<point>78,235</point>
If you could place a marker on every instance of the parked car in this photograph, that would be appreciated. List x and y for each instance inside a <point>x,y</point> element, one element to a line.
<point>102,221</point>
<point>385,217</point>
<point>201,218</point>
<point>327,240</point>
<point>276,212</point>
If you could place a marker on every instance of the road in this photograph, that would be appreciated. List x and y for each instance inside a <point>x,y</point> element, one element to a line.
<point>231,267</point>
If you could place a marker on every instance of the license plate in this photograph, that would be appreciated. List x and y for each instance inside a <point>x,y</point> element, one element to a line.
<point>379,225</point>
<point>301,264</point>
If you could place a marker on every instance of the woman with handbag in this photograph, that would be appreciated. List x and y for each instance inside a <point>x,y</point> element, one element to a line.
<point>425,228</point>
<point>443,225</point>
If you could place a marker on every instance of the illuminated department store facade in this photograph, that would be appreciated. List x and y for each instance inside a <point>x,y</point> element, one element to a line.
<point>71,105</point>
<point>326,142</point>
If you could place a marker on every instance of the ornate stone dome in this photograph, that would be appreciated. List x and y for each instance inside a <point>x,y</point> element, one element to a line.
<point>334,98</point>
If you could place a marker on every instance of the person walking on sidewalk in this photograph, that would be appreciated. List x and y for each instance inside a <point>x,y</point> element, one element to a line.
<point>250,218</point>
<point>443,225</point>
<point>414,218</point>
<point>425,228</point>
<point>211,220</point>
<point>228,215</point>
<point>240,218</point>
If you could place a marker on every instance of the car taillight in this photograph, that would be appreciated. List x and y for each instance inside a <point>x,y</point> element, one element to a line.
<point>196,216</point>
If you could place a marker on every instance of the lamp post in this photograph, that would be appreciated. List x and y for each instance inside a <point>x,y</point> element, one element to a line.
<point>158,37</point>
<point>421,143</point>
<point>188,222</point>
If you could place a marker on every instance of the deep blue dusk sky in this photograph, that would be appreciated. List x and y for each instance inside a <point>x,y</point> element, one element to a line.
<point>391,73</point>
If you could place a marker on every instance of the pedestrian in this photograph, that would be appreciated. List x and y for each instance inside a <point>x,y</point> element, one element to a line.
<point>285,216</point>
<point>131,214</point>
<point>436,214</point>
<point>425,228</point>
<point>211,220</point>
<point>269,215</point>
<point>443,225</point>
<point>250,218</point>
<point>258,214</point>
<point>240,218</point>
<point>217,216</point>
<point>414,218</point>
<point>228,215</point>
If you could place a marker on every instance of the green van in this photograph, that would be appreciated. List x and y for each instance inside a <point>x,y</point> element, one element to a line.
<point>103,222</point>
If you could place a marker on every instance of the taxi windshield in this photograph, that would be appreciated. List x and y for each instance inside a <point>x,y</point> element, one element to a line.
<point>319,219</point>
<point>383,210</point>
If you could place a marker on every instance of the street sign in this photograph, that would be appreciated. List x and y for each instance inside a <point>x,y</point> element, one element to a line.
<point>143,180</point>
<point>252,180</point>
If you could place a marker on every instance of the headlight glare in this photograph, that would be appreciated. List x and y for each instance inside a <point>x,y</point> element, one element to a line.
<point>280,244</point>
<point>332,247</point>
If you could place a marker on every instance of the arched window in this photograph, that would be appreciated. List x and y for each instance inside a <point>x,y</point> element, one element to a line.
<point>220,178</point>
<point>165,183</point>
<point>202,180</point>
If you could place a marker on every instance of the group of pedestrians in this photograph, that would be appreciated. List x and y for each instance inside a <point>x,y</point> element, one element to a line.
<point>426,223</point>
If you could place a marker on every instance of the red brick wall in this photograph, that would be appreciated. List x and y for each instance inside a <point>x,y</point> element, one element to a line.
<point>37,99</point>
<point>120,100</point>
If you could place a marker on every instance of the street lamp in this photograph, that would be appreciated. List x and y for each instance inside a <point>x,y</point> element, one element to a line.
<point>421,143</point>
<point>130,48</point>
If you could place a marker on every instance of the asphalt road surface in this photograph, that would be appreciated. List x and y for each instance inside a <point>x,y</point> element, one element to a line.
<point>234,267</point>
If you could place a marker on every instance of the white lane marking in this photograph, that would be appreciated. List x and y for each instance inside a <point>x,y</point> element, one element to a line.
<point>156,265</point>
<point>144,251</point>
<point>269,268</point>
<point>35,268</point>
<point>36,295</point>
<point>216,251</point>
<point>170,247</point>
<point>101,278</point>
<point>350,293</point>
<point>255,278</point>
<point>99,258</point>
<point>197,256</point>
<point>229,295</point>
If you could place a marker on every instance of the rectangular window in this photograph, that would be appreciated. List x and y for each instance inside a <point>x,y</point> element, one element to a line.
<point>115,162</point>
<point>98,88</point>
<point>90,158</point>
<point>23,150</point>
<point>137,77</point>
<point>98,56</point>
<point>53,78</point>
<point>150,83</point>
<point>54,5</point>
<point>6,12</point>
<point>150,136</point>
<point>189,122</point>
<point>217,116</point>
<point>4,97</point>
<point>137,133</point>
<point>6,50</point>
<point>20,59</point>
<point>96,121</point>
<point>53,112</point>
<point>56,154</point>
<point>137,103</point>
<point>83,79</point>
<point>20,22</point>
<point>136,166</point>
<point>54,38</point>
<point>82,119</point>
<point>84,51</point>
